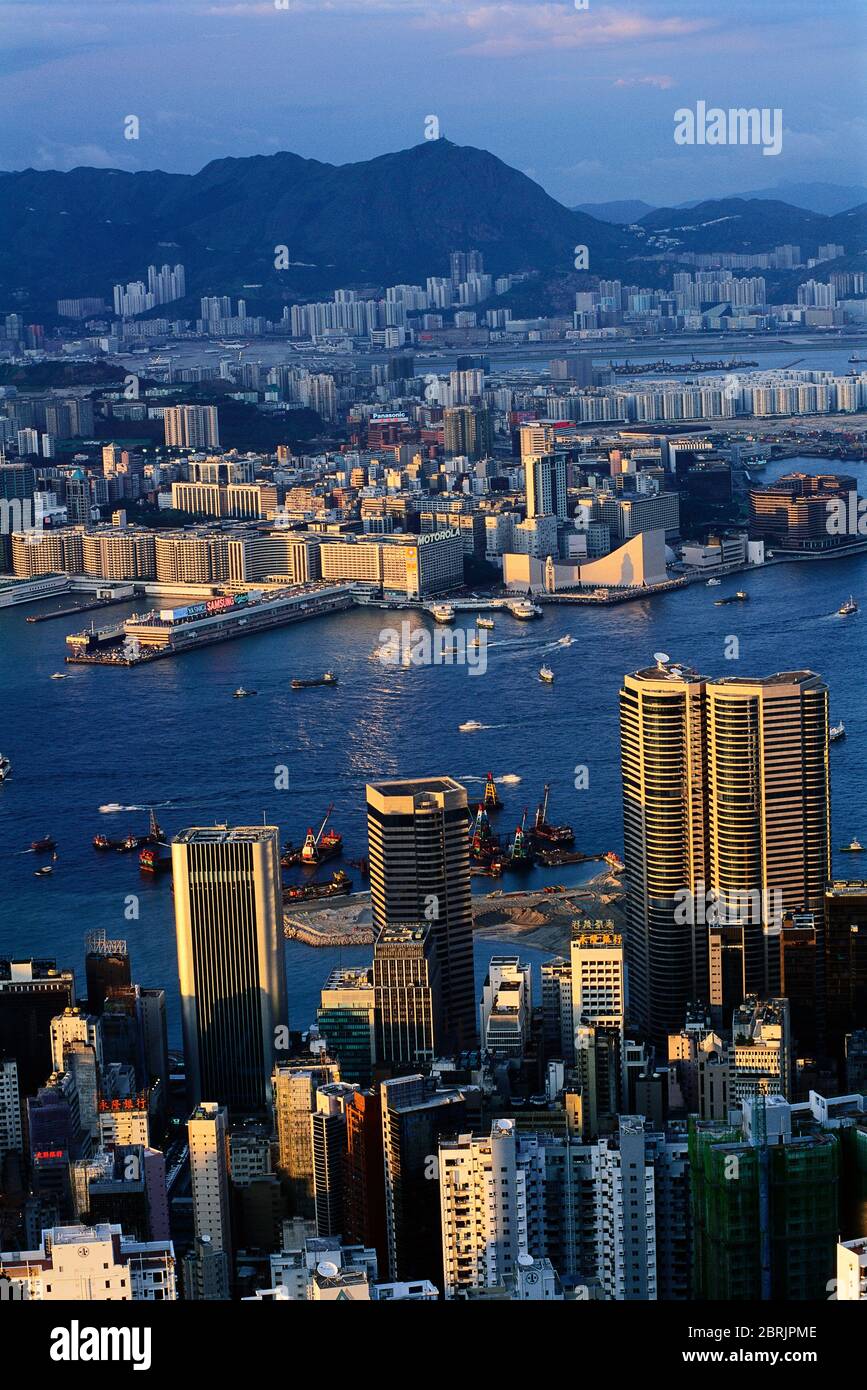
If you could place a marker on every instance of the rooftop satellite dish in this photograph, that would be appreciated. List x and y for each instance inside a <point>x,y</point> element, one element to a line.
<point>327,1269</point>
<point>661,658</point>
<point>526,1261</point>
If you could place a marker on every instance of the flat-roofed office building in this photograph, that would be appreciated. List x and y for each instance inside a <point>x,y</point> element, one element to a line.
<point>420,871</point>
<point>228,918</point>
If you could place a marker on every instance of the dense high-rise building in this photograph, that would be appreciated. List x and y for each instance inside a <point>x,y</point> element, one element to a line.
<point>768,816</point>
<point>726,825</point>
<point>406,987</point>
<point>208,1138</point>
<point>845,962</point>
<point>546,486</point>
<point>483,1208</point>
<point>414,1116</point>
<point>346,1021</point>
<point>328,1144</point>
<point>364,1192</point>
<point>191,426</point>
<point>228,916</point>
<point>106,967</point>
<point>90,1264</point>
<point>420,871</point>
<point>467,431</point>
<point>294,1094</point>
<point>764,1206</point>
<point>32,993</point>
<point>663,763</point>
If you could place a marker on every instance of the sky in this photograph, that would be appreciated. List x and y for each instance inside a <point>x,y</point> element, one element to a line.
<point>581,100</point>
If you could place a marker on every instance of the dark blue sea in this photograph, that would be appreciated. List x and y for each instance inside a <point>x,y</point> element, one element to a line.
<point>92,752</point>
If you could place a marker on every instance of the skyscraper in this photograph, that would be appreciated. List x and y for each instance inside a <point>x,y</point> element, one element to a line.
<point>769,816</point>
<point>726,827</point>
<point>228,909</point>
<point>406,986</point>
<point>32,993</point>
<point>208,1137</point>
<point>662,750</point>
<point>420,871</point>
<point>191,426</point>
<point>414,1115</point>
<point>545,480</point>
<point>328,1142</point>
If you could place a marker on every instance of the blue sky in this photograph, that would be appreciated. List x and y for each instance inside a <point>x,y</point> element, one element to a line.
<point>581,100</point>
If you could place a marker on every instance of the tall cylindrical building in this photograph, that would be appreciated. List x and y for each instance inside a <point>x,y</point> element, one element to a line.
<point>663,760</point>
<point>769,822</point>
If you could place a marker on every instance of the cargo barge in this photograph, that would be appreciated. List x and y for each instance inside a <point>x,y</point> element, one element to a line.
<point>172,631</point>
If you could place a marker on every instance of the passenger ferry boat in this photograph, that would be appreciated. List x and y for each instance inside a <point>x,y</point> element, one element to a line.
<point>524,610</point>
<point>443,612</point>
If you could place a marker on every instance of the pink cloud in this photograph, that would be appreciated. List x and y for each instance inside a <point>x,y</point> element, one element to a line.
<point>511,30</point>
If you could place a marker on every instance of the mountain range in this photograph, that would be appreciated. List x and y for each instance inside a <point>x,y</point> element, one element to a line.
<point>388,220</point>
<point>827,198</point>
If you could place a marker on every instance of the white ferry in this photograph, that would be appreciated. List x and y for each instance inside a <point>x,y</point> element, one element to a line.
<point>443,612</point>
<point>524,610</point>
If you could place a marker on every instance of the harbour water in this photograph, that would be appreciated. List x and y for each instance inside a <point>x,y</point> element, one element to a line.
<point>91,753</point>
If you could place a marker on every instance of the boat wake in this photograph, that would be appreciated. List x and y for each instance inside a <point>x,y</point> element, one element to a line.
<point>113,808</point>
<point>508,779</point>
<point>472,726</point>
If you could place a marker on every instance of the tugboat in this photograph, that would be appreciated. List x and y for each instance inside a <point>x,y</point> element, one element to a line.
<point>328,679</point>
<point>5,768</point>
<point>614,860</point>
<point>546,833</point>
<point>492,800</point>
<point>486,623</point>
<point>521,851</point>
<point>43,846</point>
<point>853,847</point>
<point>338,886</point>
<point>316,848</point>
<point>836,732</point>
<point>847,607</point>
<point>546,675</point>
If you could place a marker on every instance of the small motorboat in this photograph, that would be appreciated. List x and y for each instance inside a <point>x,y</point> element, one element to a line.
<point>43,872</point>
<point>836,732</point>
<point>847,607</point>
<point>59,676</point>
<point>242,694</point>
<point>546,675</point>
<point>5,768</point>
<point>853,847</point>
<point>714,583</point>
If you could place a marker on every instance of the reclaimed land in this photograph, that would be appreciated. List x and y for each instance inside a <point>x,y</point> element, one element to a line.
<point>537,918</point>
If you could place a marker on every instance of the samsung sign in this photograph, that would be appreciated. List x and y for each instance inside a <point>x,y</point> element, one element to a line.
<point>438,536</point>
